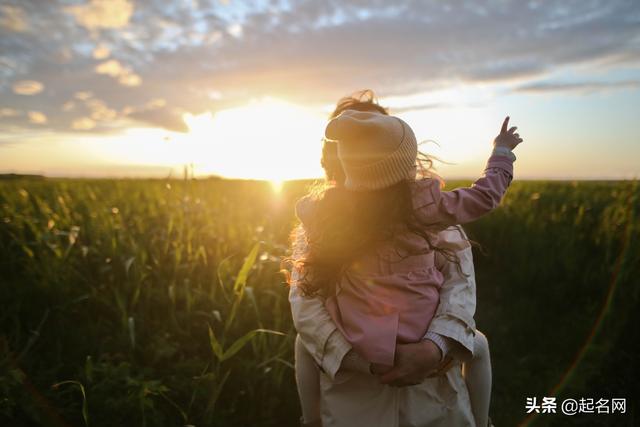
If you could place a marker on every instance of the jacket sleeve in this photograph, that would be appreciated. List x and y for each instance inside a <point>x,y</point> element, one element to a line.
<point>454,315</point>
<point>317,331</point>
<point>463,205</point>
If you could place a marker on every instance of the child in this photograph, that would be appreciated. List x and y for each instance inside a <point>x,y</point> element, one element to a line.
<point>372,243</point>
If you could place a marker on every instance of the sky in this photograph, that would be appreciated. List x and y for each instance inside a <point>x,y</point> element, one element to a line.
<point>242,89</point>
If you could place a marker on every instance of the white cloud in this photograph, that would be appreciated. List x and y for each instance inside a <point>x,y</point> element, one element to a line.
<point>115,69</point>
<point>83,123</point>
<point>37,117</point>
<point>111,68</point>
<point>99,14</point>
<point>27,87</point>
<point>235,30</point>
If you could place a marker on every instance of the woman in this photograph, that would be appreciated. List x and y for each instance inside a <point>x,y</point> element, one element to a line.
<point>350,395</point>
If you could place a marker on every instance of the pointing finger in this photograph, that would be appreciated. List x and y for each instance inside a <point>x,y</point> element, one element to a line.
<point>505,124</point>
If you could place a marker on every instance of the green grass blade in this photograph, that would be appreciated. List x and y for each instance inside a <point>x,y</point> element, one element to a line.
<point>216,348</point>
<point>243,274</point>
<point>85,406</point>
<point>242,341</point>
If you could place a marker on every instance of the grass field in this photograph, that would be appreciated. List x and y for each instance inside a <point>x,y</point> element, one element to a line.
<point>133,302</point>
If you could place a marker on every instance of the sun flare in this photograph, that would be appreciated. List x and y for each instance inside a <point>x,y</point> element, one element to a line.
<point>276,185</point>
<point>271,139</point>
<point>265,139</point>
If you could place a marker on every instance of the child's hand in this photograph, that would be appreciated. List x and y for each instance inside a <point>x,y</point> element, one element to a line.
<point>507,138</point>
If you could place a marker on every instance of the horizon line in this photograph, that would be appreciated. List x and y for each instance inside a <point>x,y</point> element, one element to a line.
<point>13,175</point>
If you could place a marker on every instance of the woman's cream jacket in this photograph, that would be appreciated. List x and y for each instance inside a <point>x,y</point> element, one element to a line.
<point>352,398</point>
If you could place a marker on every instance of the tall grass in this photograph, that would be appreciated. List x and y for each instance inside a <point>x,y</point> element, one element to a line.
<point>131,302</point>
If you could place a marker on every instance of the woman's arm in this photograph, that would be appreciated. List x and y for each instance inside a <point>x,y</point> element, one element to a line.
<point>453,321</point>
<point>457,306</point>
<point>318,333</point>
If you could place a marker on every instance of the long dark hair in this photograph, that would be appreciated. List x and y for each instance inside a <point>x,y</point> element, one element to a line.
<point>345,224</point>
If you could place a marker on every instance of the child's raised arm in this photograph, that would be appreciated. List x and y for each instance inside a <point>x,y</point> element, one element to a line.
<point>443,208</point>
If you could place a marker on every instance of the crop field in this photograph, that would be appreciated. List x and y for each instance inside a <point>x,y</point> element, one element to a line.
<point>161,303</point>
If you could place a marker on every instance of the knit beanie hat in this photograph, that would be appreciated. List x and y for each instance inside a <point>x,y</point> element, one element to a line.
<point>375,150</point>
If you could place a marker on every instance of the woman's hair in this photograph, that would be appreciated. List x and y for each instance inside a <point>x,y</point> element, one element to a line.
<point>346,223</point>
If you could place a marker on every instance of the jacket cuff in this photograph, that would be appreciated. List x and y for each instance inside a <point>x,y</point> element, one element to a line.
<point>500,161</point>
<point>440,341</point>
<point>503,151</point>
<point>462,336</point>
<point>335,350</point>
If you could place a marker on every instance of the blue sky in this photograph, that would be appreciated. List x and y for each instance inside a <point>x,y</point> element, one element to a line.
<point>138,88</point>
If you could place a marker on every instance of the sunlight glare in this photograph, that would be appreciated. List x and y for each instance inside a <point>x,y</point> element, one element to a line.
<point>461,134</point>
<point>276,185</point>
<point>265,139</point>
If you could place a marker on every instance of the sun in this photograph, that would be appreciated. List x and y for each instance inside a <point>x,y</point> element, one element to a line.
<point>276,185</point>
<point>266,139</point>
<point>275,140</point>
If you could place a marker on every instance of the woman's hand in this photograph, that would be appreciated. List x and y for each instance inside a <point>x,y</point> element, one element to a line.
<point>414,362</point>
<point>378,369</point>
<point>507,138</point>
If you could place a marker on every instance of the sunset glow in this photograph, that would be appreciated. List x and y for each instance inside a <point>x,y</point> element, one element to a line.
<point>265,139</point>
<point>243,89</point>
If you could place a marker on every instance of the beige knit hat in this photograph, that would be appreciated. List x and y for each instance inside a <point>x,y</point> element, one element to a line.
<point>376,150</point>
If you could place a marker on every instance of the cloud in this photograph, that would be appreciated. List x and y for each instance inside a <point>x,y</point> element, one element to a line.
<point>156,112</point>
<point>115,69</point>
<point>68,106</point>
<point>83,123</point>
<point>155,103</point>
<point>99,14</point>
<point>130,79</point>
<point>83,95</point>
<point>101,51</point>
<point>583,87</point>
<point>111,68</point>
<point>164,117</point>
<point>13,18</point>
<point>414,107</point>
<point>100,111</point>
<point>204,55</point>
<point>235,30</point>
<point>27,87</point>
<point>9,112</point>
<point>36,117</point>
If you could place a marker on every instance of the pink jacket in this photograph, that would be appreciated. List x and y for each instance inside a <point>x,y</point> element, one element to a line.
<point>382,299</point>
